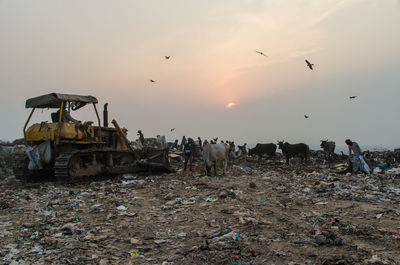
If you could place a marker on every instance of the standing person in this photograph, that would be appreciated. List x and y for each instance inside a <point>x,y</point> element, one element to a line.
<point>355,155</point>
<point>183,142</point>
<point>188,153</point>
<point>200,143</point>
<point>204,144</point>
<point>141,137</point>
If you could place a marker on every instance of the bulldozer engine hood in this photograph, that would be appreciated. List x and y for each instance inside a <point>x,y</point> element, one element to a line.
<point>54,100</point>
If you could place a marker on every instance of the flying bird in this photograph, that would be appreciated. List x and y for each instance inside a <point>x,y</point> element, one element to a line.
<point>310,65</point>
<point>352,97</point>
<point>261,53</point>
<point>173,129</point>
<point>305,116</point>
<point>167,57</point>
<point>151,80</point>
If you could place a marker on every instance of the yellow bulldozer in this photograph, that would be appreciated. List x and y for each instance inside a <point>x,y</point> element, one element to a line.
<point>69,149</point>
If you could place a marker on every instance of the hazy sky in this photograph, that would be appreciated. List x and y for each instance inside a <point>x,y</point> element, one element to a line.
<point>111,49</point>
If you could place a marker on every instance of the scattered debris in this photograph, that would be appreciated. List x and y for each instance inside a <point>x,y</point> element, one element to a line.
<point>262,212</point>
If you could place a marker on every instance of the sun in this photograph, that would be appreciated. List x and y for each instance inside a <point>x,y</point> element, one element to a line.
<point>230,105</point>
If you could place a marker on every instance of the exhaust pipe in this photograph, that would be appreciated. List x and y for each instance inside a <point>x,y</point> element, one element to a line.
<point>105,116</point>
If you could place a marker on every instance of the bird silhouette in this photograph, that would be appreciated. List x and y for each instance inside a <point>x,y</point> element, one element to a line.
<point>352,97</point>
<point>173,129</point>
<point>310,65</point>
<point>151,80</point>
<point>261,53</point>
<point>167,57</point>
<point>305,116</point>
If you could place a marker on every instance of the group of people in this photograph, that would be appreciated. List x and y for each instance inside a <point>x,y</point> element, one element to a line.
<point>188,146</point>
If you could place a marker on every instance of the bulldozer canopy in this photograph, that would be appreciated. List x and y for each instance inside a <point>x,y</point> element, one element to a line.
<point>54,100</point>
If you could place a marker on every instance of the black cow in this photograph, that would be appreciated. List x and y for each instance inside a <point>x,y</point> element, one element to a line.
<point>261,149</point>
<point>329,148</point>
<point>293,150</point>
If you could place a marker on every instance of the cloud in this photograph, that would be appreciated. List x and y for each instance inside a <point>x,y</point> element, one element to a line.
<point>331,9</point>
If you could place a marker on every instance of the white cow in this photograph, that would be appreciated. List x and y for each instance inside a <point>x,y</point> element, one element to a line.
<point>212,153</point>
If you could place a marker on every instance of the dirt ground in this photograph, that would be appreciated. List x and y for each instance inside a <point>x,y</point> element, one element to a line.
<point>259,213</point>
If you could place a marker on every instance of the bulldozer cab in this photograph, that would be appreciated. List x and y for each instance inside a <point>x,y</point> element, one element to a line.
<point>63,127</point>
<point>66,133</point>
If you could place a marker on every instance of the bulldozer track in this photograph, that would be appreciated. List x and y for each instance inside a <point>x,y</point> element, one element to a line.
<point>91,163</point>
<point>61,165</point>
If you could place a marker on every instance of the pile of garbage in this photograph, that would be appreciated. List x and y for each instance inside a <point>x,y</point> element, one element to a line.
<point>156,143</point>
<point>8,152</point>
<point>261,212</point>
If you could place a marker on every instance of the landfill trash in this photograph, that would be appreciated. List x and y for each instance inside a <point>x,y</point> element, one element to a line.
<point>4,205</point>
<point>252,185</point>
<point>160,241</point>
<point>182,234</point>
<point>132,182</point>
<point>233,235</point>
<point>129,176</point>
<point>134,253</point>
<point>298,214</point>
<point>382,166</point>
<point>395,171</point>
<point>135,241</point>
<point>249,159</point>
<point>190,201</point>
<point>375,259</point>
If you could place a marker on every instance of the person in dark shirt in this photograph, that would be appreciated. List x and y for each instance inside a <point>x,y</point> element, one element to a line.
<point>183,142</point>
<point>188,153</point>
<point>141,137</point>
<point>200,143</point>
<point>66,116</point>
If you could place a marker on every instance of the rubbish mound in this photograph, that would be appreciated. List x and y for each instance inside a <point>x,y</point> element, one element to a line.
<point>262,212</point>
<point>290,214</point>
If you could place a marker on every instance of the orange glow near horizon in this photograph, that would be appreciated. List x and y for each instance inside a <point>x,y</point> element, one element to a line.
<point>230,105</point>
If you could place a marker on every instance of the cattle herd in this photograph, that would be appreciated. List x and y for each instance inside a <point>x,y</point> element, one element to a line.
<point>213,153</point>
